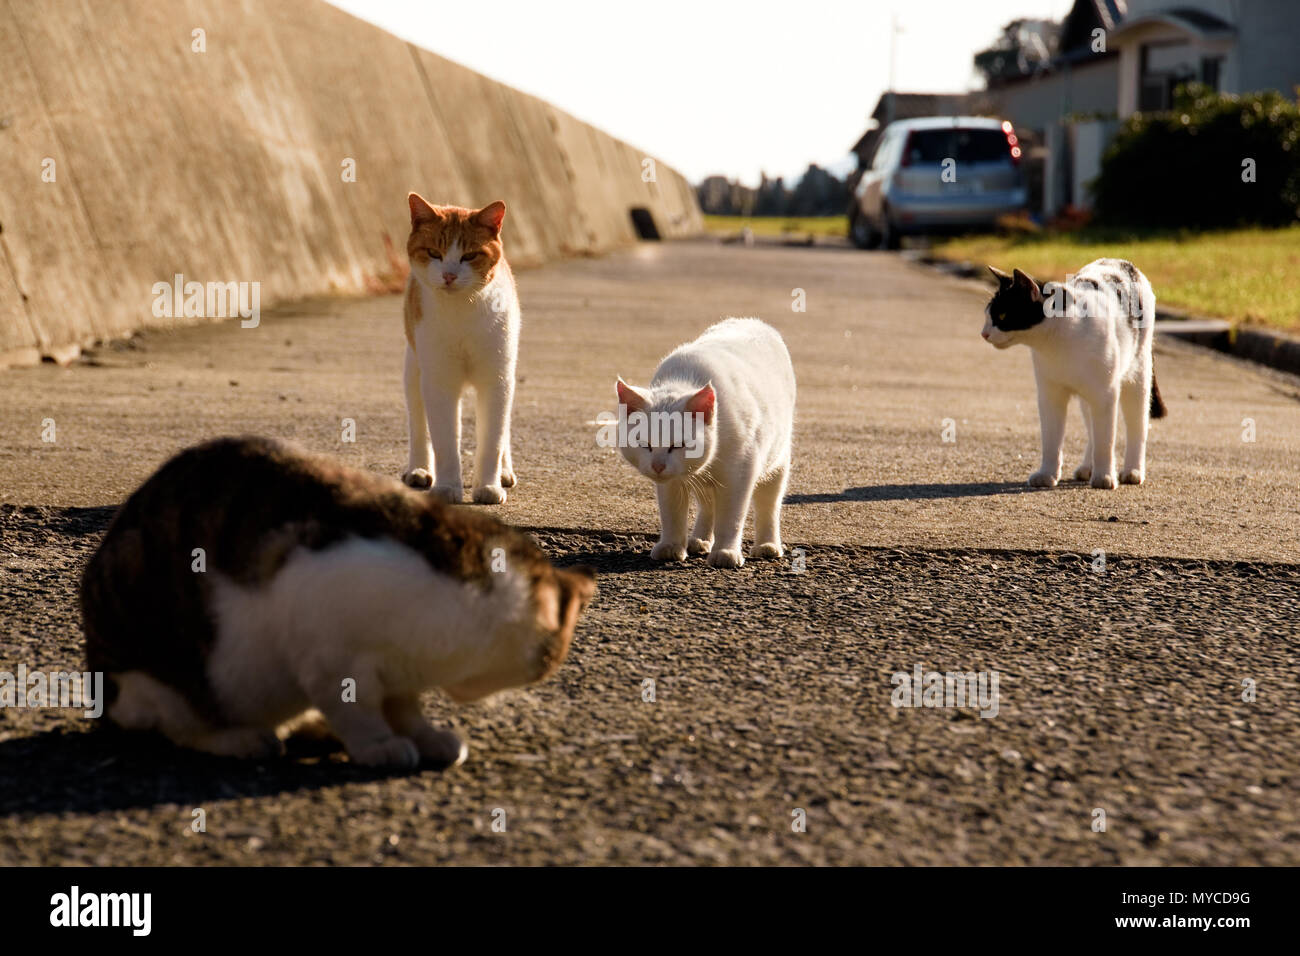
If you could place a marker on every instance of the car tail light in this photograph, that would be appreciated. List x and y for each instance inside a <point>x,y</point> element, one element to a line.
<point>1013,143</point>
<point>907,151</point>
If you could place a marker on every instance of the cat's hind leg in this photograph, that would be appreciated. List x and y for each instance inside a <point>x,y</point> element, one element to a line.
<point>768,495</point>
<point>441,748</point>
<point>674,506</point>
<point>701,539</point>
<point>1053,404</point>
<point>1105,414</point>
<point>146,703</point>
<point>1135,402</point>
<point>419,461</point>
<point>1084,471</point>
<point>508,478</point>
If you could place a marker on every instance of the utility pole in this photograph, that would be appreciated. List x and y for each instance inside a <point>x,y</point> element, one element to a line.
<point>893,56</point>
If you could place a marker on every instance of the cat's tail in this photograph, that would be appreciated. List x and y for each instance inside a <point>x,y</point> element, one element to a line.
<point>1158,409</point>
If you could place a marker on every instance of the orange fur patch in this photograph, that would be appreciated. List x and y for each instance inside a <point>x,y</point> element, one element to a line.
<point>412,311</point>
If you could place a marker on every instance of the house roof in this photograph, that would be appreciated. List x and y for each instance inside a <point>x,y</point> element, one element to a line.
<point>915,104</point>
<point>908,106</point>
<point>1086,16</point>
<point>1189,19</point>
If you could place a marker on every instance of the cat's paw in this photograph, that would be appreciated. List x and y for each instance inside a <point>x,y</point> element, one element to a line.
<point>1133,476</point>
<point>1104,480</point>
<point>441,749</point>
<point>245,743</point>
<point>391,751</point>
<point>668,551</point>
<point>450,494</point>
<point>489,495</point>
<point>508,478</point>
<point>418,478</point>
<point>1083,473</point>
<point>1042,479</point>
<point>699,545</point>
<point>766,550</point>
<point>726,558</point>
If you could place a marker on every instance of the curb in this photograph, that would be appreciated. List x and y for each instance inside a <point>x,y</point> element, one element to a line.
<point>1276,350</point>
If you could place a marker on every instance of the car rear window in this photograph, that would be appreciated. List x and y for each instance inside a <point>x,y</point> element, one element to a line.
<point>963,145</point>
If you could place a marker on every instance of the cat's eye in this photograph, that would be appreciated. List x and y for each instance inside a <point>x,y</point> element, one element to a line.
<point>434,255</point>
<point>469,257</point>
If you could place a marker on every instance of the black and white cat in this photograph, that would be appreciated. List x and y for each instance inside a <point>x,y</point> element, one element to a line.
<point>1091,337</point>
<point>248,587</point>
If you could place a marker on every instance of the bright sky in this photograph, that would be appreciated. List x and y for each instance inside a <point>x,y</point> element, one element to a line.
<point>714,86</point>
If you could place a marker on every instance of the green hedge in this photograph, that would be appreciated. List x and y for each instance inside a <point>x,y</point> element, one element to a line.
<point>1183,168</point>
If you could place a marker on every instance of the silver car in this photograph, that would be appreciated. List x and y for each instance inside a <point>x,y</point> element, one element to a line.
<point>937,174</point>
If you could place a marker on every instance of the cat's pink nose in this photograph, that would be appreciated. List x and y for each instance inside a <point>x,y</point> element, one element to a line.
<point>448,278</point>
<point>986,336</point>
<point>658,466</point>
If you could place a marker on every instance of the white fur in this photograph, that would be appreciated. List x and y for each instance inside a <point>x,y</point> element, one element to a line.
<point>1104,357</point>
<point>369,610</point>
<point>745,450</point>
<point>467,336</point>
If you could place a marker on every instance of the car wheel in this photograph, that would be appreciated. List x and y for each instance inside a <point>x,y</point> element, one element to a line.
<point>889,237</point>
<point>861,234</point>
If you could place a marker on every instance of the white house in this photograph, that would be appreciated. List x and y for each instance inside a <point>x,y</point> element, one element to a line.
<point>1235,46</point>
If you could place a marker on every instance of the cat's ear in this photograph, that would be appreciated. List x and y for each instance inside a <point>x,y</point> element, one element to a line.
<point>635,399</point>
<point>1004,280</point>
<point>577,588</point>
<point>421,211</point>
<point>704,402</point>
<point>1029,285</point>
<point>491,216</point>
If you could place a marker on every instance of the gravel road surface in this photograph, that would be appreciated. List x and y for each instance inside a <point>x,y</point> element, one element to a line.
<point>1125,627</point>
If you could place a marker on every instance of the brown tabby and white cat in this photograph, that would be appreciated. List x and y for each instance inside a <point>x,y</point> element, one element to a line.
<point>462,330</point>
<point>313,579</point>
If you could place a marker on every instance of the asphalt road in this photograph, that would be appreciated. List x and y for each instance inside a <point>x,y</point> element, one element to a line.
<point>1120,686</point>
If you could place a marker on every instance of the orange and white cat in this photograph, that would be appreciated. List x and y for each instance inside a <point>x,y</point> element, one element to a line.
<point>462,330</point>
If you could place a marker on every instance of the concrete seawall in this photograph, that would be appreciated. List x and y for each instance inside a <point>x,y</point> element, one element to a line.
<point>128,156</point>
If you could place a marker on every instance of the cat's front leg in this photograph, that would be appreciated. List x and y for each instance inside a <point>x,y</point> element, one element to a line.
<point>492,426</point>
<point>357,716</point>
<point>1105,414</point>
<point>674,504</point>
<point>442,412</point>
<point>701,539</point>
<point>419,461</point>
<point>729,525</point>
<point>1053,404</point>
<point>441,748</point>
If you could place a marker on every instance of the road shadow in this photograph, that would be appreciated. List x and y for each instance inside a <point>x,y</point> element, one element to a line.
<point>917,492</point>
<point>87,771</point>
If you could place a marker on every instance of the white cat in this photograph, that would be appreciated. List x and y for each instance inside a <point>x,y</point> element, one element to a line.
<point>462,330</point>
<point>1090,337</point>
<point>726,404</point>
